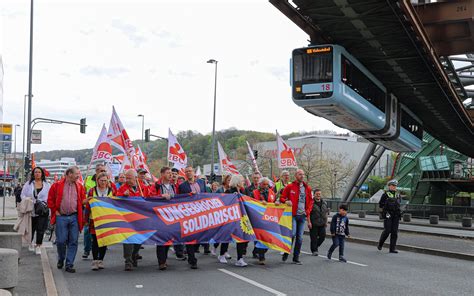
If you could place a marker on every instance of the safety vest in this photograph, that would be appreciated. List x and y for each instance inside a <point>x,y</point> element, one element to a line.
<point>393,201</point>
<point>95,194</point>
<point>89,183</point>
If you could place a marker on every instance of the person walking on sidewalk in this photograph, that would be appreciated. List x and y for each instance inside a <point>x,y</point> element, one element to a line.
<point>339,231</point>
<point>390,205</point>
<point>37,189</point>
<point>102,189</point>
<point>65,199</point>
<point>319,220</point>
<point>298,195</point>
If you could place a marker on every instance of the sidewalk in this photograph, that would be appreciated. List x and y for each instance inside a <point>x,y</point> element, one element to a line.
<point>30,275</point>
<point>418,226</point>
<point>418,222</point>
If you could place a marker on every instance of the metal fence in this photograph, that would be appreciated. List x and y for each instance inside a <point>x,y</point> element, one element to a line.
<point>417,211</point>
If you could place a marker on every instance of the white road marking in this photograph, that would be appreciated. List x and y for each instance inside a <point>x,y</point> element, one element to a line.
<point>252,282</point>
<point>350,262</point>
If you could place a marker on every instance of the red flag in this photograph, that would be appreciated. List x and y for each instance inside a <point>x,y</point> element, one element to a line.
<point>33,163</point>
<point>176,154</point>
<point>286,156</point>
<point>118,135</point>
<point>102,149</point>
<point>227,167</point>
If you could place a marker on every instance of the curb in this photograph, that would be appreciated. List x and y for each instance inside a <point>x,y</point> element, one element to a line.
<point>420,224</point>
<point>414,249</point>
<point>415,231</point>
<point>435,252</point>
<point>48,274</point>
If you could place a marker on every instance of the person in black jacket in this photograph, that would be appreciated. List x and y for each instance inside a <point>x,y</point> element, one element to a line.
<point>339,231</point>
<point>319,220</point>
<point>390,205</point>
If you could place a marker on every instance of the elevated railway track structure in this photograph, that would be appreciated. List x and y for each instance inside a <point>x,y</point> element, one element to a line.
<point>422,53</point>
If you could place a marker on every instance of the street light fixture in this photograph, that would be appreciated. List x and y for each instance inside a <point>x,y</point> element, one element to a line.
<point>143,126</point>
<point>212,61</point>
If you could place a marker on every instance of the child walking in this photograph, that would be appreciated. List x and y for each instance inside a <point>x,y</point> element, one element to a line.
<point>339,231</point>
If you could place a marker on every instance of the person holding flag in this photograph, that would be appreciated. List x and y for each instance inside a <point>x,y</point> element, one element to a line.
<point>265,195</point>
<point>103,188</point>
<point>281,184</point>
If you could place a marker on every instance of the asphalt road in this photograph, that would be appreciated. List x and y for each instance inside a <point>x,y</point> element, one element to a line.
<point>370,273</point>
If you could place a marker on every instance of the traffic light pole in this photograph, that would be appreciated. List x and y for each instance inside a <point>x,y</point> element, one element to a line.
<point>34,122</point>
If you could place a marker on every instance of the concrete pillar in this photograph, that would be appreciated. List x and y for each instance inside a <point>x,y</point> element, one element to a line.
<point>8,268</point>
<point>10,240</point>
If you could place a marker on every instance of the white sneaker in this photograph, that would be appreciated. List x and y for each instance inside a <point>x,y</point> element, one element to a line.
<point>241,263</point>
<point>222,259</point>
<point>38,250</point>
<point>227,255</point>
<point>213,251</point>
<point>31,247</point>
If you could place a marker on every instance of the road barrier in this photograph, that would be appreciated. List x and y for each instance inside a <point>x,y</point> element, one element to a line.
<point>417,211</point>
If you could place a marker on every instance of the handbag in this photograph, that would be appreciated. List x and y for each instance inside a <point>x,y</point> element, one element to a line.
<point>41,209</point>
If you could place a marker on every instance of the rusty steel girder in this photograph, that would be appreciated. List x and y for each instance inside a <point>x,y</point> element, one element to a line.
<point>449,25</point>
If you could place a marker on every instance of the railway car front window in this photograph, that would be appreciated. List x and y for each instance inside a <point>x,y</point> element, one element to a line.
<point>312,68</point>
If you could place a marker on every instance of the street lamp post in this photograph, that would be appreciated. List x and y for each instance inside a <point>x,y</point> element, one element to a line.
<point>212,61</point>
<point>30,86</point>
<point>14,147</point>
<point>143,126</point>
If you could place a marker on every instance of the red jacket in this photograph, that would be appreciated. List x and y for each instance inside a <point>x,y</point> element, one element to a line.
<point>157,188</point>
<point>55,196</point>
<point>292,193</point>
<point>125,187</point>
<point>271,195</point>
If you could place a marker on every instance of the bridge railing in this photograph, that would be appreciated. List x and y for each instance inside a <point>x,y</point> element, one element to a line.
<point>418,211</point>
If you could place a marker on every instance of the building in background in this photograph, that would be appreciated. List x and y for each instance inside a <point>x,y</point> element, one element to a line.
<point>352,147</point>
<point>56,167</point>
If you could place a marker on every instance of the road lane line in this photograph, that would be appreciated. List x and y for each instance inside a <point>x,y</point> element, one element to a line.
<point>252,282</point>
<point>350,262</point>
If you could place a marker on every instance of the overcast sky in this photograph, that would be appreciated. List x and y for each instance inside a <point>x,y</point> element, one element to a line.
<point>149,57</point>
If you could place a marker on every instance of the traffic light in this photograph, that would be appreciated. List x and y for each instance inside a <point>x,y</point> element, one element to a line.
<point>147,135</point>
<point>255,154</point>
<point>83,125</point>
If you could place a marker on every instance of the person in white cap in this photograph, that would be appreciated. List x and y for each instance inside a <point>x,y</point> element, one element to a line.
<point>390,205</point>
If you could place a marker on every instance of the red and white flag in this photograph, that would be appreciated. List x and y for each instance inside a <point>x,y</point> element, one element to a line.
<point>286,155</point>
<point>227,167</point>
<point>118,136</point>
<point>176,154</point>
<point>252,157</point>
<point>102,149</point>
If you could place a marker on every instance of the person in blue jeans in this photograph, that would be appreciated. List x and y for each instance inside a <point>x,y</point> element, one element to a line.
<point>339,231</point>
<point>66,199</point>
<point>299,196</point>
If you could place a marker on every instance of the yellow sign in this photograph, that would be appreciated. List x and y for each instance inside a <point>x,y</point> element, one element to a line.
<point>6,128</point>
<point>318,50</point>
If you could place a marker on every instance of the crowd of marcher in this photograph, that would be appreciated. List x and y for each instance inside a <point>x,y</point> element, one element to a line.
<point>66,204</point>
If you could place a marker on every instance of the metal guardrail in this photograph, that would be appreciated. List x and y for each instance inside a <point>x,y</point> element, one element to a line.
<point>417,211</point>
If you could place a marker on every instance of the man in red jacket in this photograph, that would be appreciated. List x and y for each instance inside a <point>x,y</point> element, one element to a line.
<point>298,195</point>
<point>131,188</point>
<point>65,199</point>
